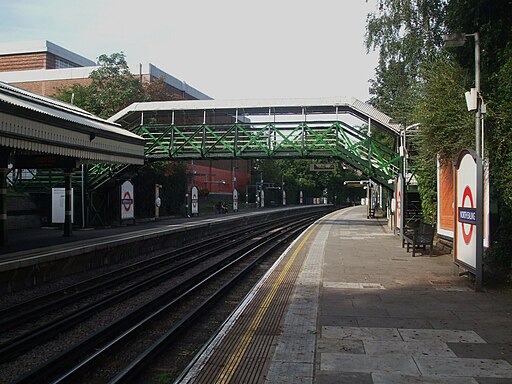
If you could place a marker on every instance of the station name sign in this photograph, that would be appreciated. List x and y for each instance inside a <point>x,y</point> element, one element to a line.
<point>322,167</point>
<point>467,215</point>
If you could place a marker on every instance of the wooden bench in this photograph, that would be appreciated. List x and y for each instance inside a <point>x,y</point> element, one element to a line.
<point>421,236</point>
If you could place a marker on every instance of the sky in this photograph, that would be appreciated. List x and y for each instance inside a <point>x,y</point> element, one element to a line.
<point>227,49</point>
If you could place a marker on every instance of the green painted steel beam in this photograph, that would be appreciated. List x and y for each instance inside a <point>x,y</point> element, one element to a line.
<point>305,140</point>
<point>316,139</point>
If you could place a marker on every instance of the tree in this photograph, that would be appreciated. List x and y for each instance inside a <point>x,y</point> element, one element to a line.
<point>406,32</point>
<point>446,126</point>
<point>112,88</point>
<point>297,177</point>
<point>410,57</point>
<point>157,90</point>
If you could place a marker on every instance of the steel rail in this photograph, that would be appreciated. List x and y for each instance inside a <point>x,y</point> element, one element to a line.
<point>32,309</point>
<point>142,360</point>
<point>55,364</point>
<point>34,337</point>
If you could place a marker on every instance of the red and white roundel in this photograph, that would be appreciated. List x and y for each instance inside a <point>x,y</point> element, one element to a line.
<point>466,216</point>
<point>127,201</point>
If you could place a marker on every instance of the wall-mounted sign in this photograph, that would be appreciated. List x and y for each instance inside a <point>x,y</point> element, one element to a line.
<point>58,205</point>
<point>127,201</point>
<point>445,202</point>
<point>325,167</point>
<point>235,200</point>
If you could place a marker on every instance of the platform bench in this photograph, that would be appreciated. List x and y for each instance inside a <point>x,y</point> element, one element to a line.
<point>420,236</point>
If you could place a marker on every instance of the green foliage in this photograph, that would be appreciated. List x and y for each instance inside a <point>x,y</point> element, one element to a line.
<point>499,138</point>
<point>492,19</point>
<point>446,125</point>
<point>406,32</point>
<point>157,90</point>
<point>391,90</point>
<point>171,176</point>
<point>416,83</point>
<point>297,177</point>
<point>112,88</point>
<point>440,108</point>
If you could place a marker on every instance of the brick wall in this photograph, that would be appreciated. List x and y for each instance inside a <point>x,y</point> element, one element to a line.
<point>23,62</point>
<point>49,87</point>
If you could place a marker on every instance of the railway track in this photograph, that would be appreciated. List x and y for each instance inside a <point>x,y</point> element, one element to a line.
<point>206,270</point>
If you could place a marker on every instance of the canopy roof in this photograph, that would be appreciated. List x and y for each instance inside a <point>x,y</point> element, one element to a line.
<point>39,124</point>
<point>263,107</point>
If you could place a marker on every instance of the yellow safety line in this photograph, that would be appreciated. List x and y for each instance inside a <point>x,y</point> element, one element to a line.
<point>230,367</point>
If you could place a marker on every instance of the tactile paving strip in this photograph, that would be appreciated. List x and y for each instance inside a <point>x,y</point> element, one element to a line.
<point>245,352</point>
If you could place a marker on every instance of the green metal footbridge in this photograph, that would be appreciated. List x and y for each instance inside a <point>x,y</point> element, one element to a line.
<point>341,129</point>
<point>335,128</point>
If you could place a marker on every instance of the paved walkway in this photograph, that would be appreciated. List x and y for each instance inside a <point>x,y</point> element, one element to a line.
<point>385,317</point>
<point>364,311</point>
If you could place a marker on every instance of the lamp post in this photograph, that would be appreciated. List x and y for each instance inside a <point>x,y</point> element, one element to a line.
<point>474,103</point>
<point>458,40</point>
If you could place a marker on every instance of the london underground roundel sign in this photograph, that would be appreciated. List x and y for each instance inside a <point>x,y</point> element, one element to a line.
<point>127,201</point>
<point>467,191</point>
<point>467,215</point>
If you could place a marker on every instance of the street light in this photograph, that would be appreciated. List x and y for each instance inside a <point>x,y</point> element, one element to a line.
<point>474,102</point>
<point>458,40</point>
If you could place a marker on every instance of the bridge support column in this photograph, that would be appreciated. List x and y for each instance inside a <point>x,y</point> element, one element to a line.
<point>4,170</point>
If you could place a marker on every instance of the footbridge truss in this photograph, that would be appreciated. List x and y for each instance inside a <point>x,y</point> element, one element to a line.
<point>334,128</point>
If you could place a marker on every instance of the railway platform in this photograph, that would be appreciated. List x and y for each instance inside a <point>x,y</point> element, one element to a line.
<point>36,256</point>
<point>345,303</point>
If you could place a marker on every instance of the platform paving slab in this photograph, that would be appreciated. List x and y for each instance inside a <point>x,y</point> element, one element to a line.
<point>424,311</point>
<point>444,335</point>
<point>398,378</point>
<point>412,348</point>
<point>487,350</point>
<point>468,367</point>
<point>343,378</point>
<point>346,362</point>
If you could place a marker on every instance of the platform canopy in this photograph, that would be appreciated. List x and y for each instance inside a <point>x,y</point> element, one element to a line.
<point>34,124</point>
